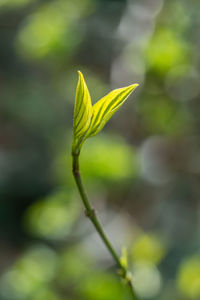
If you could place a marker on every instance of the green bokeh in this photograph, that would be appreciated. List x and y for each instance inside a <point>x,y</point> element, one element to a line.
<point>54,216</point>
<point>48,248</point>
<point>188,278</point>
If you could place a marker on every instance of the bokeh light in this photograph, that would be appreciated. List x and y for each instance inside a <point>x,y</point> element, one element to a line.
<point>147,280</point>
<point>188,278</point>
<point>49,30</point>
<point>54,216</point>
<point>35,268</point>
<point>148,248</point>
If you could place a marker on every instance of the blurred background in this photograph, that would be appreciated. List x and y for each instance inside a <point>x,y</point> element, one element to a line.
<point>142,172</point>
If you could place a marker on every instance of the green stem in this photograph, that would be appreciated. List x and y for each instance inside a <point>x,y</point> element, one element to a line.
<point>90,213</point>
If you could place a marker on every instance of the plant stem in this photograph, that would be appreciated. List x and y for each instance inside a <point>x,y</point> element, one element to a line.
<point>90,213</point>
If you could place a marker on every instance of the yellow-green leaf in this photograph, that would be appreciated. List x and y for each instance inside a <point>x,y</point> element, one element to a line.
<point>82,109</point>
<point>107,106</point>
<point>124,258</point>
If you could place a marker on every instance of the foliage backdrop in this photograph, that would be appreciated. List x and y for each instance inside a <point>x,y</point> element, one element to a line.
<point>142,172</point>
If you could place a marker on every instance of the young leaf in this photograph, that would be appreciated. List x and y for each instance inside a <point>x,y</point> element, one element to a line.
<point>106,107</point>
<point>124,258</point>
<point>82,109</point>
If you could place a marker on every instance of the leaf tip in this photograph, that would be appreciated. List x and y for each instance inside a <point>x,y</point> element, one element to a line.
<point>133,86</point>
<point>80,73</point>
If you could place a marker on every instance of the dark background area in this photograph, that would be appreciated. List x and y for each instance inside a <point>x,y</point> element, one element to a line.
<point>142,172</point>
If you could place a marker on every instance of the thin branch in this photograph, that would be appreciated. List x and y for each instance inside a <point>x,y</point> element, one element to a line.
<point>93,218</point>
